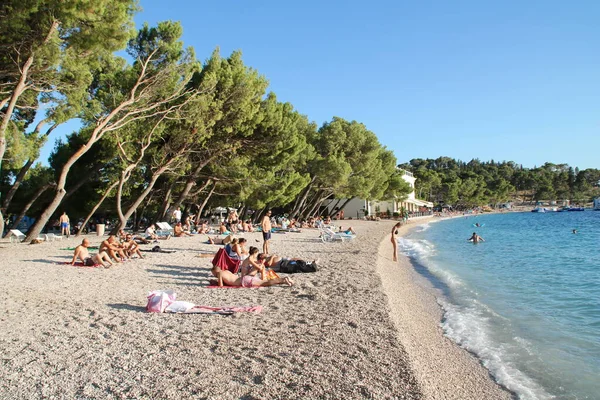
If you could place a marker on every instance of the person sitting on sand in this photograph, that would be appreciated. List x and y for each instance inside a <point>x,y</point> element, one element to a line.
<point>151,233</point>
<point>179,232</point>
<point>84,255</point>
<point>114,249</point>
<point>203,227</point>
<point>131,247</point>
<point>475,238</point>
<point>222,228</point>
<point>249,278</point>
<point>236,249</point>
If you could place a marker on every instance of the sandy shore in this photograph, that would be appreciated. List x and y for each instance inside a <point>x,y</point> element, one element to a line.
<point>443,369</point>
<point>68,332</point>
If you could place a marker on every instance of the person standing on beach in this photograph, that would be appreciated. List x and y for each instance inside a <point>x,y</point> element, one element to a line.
<point>266,231</point>
<point>65,224</point>
<point>394,240</point>
<point>177,215</point>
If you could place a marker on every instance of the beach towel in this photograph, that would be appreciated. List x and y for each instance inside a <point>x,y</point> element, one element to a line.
<point>214,284</point>
<point>223,261</point>
<point>73,248</point>
<point>157,249</point>
<point>184,307</point>
<point>80,264</point>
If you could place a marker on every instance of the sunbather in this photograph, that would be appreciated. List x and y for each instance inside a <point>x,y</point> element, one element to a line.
<point>84,255</point>
<point>114,249</point>
<point>179,232</point>
<point>236,249</point>
<point>131,246</point>
<point>274,261</point>
<point>250,278</point>
<point>222,228</point>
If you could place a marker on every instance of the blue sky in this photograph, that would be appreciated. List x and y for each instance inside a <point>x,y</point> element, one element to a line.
<point>467,79</point>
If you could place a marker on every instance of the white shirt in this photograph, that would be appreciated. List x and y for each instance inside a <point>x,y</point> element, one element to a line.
<point>177,214</point>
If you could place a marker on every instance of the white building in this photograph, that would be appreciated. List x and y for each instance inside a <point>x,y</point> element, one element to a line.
<point>359,208</point>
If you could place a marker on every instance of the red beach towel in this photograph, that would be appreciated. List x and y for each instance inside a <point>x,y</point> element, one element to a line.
<point>223,261</point>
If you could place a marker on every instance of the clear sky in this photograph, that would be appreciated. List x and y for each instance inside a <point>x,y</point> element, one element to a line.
<point>510,80</point>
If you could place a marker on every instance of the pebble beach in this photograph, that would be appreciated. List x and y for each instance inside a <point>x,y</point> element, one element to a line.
<point>361,327</point>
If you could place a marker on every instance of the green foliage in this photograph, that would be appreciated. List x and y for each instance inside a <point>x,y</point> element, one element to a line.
<point>448,181</point>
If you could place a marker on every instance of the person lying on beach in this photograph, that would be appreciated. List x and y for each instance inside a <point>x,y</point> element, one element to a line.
<point>349,231</point>
<point>250,278</point>
<point>179,232</point>
<point>82,253</point>
<point>274,261</point>
<point>475,238</point>
<point>113,249</point>
<point>131,247</point>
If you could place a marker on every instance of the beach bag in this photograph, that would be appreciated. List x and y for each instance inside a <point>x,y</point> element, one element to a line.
<point>159,300</point>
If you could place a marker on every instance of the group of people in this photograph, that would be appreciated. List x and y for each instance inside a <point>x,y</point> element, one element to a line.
<point>111,249</point>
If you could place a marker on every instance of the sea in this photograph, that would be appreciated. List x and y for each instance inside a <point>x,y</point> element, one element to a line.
<point>526,301</point>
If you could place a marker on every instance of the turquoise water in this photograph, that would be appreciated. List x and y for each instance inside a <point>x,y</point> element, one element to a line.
<point>526,301</point>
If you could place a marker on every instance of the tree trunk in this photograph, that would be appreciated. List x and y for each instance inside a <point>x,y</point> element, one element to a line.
<point>143,212</point>
<point>332,209</point>
<point>91,214</point>
<point>190,182</point>
<point>346,202</point>
<point>20,176</point>
<point>160,215</point>
<point>37,194</point>
<point>17,92</point>
<point>123,218</point>
<point>308,205</point>
<point>208,196</point>
<point>299,206</point>
<point>23,171</point>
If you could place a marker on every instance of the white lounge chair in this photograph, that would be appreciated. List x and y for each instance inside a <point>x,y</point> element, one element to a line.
<point>164,229</point>
<point>328,235</point>
<point>18,236</point>
<point>51,237</point>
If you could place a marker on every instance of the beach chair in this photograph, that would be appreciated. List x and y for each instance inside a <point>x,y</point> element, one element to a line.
<point>328,235</point>
<point>51,237</point>
<point>18,236</point>
<point>164,229</point>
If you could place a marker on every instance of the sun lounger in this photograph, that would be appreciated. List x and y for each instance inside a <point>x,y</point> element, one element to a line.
<point>51,237</point>
<point>164,229</point>
<point>328,235</point>
<point>19,236</point>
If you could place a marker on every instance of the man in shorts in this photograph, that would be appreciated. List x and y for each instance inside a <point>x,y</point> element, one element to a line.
<point>82,253</point>
<point>64,224</point>
<point>266,231</point>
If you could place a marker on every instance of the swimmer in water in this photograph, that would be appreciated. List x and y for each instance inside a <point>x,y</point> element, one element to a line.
<point>574,230</point>
<point>475,238</point>
<point>477,225</point>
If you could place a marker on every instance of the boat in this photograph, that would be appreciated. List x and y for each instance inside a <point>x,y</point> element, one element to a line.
<point>539,210</point>
<point>597,204</point>
<point>576,209</point>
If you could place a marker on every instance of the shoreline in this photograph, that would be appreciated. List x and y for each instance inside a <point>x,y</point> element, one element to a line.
<point>417,316</point>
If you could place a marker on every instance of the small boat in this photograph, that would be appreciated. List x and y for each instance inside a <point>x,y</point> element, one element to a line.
<point>539,210</point>
<point>576,209</point>
<point>597,204</point>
